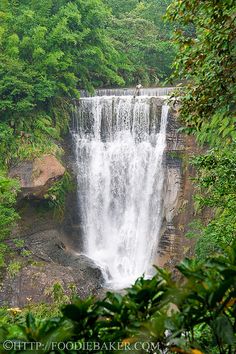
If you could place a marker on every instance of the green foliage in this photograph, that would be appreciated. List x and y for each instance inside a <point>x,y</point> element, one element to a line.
<point>8,215</point>
<point>58,44</point>
<point>47,50</point>
<point>199,314</point>
<point>139,32</point>
<point>19,243</point>
<point>56,195</point>
<point>206,58</point>
<point>205,36</point>
<point>26,253</point>
<point>13,268</point>
<point>8,191</point>
<point>3,250</point>
<point>57,293</point>
<point>216,183</point>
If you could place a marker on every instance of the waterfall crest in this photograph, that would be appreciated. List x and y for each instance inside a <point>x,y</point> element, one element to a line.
<point>153,91</point>
<point>119,150</point>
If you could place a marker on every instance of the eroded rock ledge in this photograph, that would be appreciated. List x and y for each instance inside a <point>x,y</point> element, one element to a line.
<point>51,262</point>
<point>37,176</point>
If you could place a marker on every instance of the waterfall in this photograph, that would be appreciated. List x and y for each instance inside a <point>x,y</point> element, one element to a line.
<point>119,150</point>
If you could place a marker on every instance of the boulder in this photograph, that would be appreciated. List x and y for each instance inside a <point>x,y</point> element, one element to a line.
<point>37,176</point>
<point>51,246</point>
<point>54,262</point>
<point>34,283</point>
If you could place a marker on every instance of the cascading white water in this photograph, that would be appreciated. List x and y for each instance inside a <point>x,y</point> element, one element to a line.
<point>119,151</point>
<point>154,91</point>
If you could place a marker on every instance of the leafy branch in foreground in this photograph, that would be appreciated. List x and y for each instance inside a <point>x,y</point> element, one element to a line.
<point>194,317</point>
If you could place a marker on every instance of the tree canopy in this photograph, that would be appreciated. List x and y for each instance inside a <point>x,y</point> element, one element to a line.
<point>140,33</point>
<point>49,49</point>
<point>205,38</point>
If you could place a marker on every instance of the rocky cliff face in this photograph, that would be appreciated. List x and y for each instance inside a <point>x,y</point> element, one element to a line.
<point>179,190</point>
<point>37,176</point>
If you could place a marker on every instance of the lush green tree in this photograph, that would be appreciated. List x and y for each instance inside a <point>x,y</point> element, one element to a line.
<point>48,50</point>
<point>121,7</point>
<point>8,216</point>
<point>8,191</point>
<point>140,33</point>
<point>206,58</point>
<point>205,36</point>
<point>216,189</point>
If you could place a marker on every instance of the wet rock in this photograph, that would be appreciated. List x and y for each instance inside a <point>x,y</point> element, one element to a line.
<point>178,205</point>
<point>55,261</point>
<point>34,283</point>
<point>37,176</point>
<point>173,197</point>
<point>51,246</point>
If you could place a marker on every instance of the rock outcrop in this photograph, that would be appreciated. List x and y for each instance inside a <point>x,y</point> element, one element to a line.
<point>37,176</point>
<point>35,283</point>
<point>178,207</point>
<point>50,262</point>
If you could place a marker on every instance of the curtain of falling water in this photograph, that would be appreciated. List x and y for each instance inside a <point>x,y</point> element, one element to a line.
<point>119,151</point>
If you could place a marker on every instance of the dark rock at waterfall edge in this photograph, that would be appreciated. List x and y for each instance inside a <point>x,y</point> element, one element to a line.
<point>52,261</point>
<point>34,284</point>
<point>50,247</point>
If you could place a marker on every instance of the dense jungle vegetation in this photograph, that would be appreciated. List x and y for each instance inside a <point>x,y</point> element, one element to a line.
<point>49,50</point>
